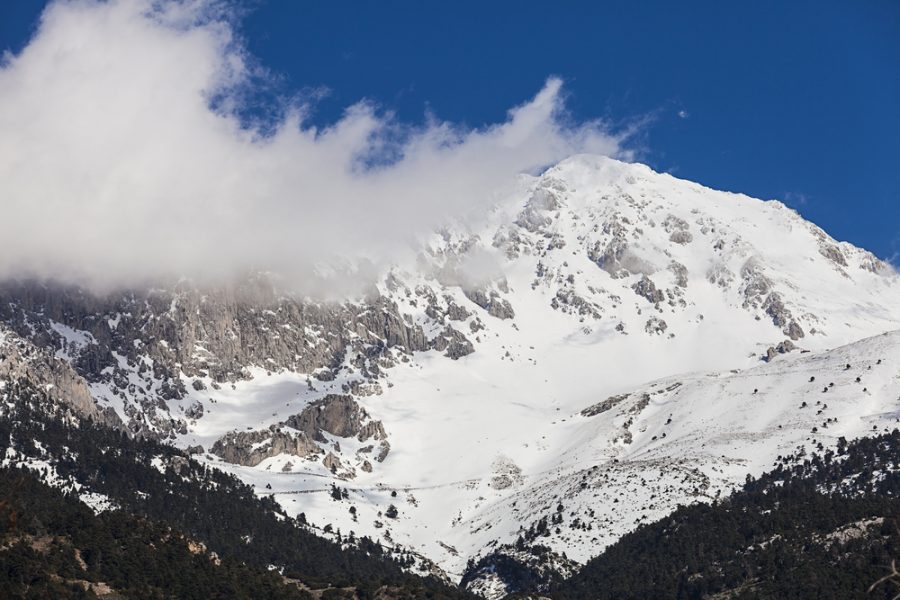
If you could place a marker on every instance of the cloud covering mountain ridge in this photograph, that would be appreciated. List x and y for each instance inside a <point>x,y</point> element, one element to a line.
<point>125,157</point>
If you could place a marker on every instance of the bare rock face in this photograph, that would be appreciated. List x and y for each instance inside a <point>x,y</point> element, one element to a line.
<point>139,347</point>
<point>454,344</point>
<point>215,333</point>
<point>338,415</point>
<point>362,388</point>
<point>604,405</point>
<point>383,449</point>
<point>794,331</point>
<point>775,308</point>
<point>720,275</point>
<point>612,256</point>
<point>303,436</point>
<point>833,253</point>
<point>20,359</point>
<point>492,303</point>
<point>782,317</point>
<point>331,462</point>
<point>759,292</point>
<point>756,286</point>
<point>456,312</point>
<point>249,448</point>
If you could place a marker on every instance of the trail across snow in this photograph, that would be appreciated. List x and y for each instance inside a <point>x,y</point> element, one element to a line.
<point>619,342</point>
<point>485,446</point>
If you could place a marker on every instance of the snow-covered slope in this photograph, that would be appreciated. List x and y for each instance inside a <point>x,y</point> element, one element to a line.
<point>607,339</point>
<point>482,464</point>
<point>632,458</point>
<point>487,445</point>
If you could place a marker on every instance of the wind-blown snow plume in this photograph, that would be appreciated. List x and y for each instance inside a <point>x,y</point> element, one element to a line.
<point>123,159</point>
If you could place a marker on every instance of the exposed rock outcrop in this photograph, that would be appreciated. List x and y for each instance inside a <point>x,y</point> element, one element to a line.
<point>534,217</point>
<point>569,301</point>
<point>759,292</point>
<point>645,288</point>
<point>338,415</point>
<point>492,303</point>
<point>453,343</point>
<point>604,405</point>
<point>302,435</point>
<point>20,359</point>
<point>655,326</point>
<point>782,317</point>
<point>249,448</point>
<point>139,349</point>
<point>678,230</point>
<point>194,411</point>
<point>680,272</point>
<point>782,348</point>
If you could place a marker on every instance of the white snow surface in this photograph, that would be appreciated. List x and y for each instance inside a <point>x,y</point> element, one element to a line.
<point>484,446</point>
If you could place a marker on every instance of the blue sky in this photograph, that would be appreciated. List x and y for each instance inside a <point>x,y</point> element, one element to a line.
<point>792,100</point>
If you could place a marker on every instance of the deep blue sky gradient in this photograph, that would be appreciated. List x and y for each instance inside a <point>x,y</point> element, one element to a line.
<point>796,100</point>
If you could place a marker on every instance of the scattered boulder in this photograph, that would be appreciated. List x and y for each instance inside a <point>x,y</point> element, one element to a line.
<point>655,326</point>
<point>782,348</point>
<point>645,288</point>
<point>680,272</point>
<point>331,462</point>
<point>195,410</point>
<point>681,237</point>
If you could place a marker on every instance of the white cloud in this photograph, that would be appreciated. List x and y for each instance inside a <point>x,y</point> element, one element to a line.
<point>796,199</point>
<point>114,170</point>
<point>894,258</point>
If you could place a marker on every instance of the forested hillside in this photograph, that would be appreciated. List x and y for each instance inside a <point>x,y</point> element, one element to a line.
<point>820,526</point>
<point>168,527</point>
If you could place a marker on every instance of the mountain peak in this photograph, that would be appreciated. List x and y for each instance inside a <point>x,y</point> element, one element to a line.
<point>516,358</point>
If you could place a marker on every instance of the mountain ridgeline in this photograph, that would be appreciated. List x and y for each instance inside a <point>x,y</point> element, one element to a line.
<point>502,409</point>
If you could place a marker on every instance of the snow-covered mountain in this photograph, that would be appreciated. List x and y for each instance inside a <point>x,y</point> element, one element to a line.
<point>606,343</point>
